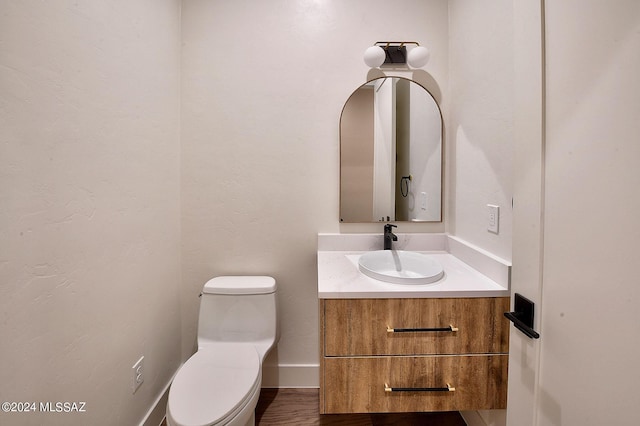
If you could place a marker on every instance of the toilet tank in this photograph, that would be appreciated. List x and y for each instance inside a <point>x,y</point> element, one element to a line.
<point>239,309</point>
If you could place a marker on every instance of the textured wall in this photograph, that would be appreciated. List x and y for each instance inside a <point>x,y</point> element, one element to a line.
<point>89,205</point>
<point>263,85</point>
<point>480,126</point>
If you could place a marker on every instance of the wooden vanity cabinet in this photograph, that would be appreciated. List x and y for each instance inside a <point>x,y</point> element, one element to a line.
<point>401,355</point>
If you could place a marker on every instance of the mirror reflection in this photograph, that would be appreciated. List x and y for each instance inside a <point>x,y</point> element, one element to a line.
<point>390,153</point>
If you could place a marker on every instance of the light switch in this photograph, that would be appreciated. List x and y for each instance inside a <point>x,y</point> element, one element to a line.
<point>493,218</point>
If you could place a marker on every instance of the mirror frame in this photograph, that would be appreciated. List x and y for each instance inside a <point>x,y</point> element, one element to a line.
<point>442,145</point>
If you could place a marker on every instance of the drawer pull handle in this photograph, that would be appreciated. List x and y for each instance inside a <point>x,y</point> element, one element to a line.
<point>449,388</point>
<point>420,330</point>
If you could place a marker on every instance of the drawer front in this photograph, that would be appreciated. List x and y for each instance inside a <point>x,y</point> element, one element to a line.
<point>354,327</point>
<point>360,385</point>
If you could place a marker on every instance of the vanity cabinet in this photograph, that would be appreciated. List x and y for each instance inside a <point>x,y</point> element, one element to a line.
<point>423,354</point>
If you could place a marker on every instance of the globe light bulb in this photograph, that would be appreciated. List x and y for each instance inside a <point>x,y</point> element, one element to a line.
<point>374,56</point>
<point>418,57</point>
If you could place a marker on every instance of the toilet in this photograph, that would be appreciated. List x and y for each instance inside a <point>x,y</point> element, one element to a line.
<point>237,327</point>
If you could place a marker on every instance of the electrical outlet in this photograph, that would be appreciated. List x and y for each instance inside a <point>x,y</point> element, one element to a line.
<point>493,219</point>
<point>137,374</point>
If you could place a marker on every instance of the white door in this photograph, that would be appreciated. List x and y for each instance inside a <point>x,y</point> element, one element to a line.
<point>581,269</point>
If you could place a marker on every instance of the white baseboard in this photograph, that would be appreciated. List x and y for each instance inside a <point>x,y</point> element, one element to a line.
<point>291,376</point>
<point>156,413</point>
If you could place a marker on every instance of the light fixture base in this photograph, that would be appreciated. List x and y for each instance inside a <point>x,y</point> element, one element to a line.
<point>395,55</point>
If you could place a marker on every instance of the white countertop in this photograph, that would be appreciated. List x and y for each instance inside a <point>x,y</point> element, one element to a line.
<point>340,278</point>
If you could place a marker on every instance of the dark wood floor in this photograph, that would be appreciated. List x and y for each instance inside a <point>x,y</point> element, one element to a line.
<point>299,407</point>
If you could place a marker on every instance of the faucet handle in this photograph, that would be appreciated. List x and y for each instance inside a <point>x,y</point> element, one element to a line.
<point>388,226</point>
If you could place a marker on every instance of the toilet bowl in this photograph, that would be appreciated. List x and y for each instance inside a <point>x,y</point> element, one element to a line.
<point>214,387</point>
<point>220,384</point>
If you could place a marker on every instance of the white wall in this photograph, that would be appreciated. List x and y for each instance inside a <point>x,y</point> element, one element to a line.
<point>263,85</point>
<point>89,211</point>
<point>479,142</point>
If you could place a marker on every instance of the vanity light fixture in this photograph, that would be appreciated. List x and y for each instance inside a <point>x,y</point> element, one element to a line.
<point>395,52</point>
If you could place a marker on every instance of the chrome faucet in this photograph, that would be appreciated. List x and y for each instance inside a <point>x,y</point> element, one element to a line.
<point>389,236</point>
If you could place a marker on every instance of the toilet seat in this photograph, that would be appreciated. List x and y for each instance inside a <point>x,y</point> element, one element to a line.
<point>214,384</point>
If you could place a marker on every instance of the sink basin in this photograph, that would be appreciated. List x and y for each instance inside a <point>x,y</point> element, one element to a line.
<point>400,267</point>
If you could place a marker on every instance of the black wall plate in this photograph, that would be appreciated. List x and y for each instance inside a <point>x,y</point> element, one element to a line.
<point>522,317</point>
<point>395,55</point>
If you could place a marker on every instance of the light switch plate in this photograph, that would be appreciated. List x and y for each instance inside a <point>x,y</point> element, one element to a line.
<point>493,219</point>
<point>137,374</point>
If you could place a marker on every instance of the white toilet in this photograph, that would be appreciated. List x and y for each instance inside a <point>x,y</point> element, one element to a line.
<point>237,327</point>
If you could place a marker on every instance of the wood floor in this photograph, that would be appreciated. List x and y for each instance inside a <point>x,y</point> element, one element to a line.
<point>299,407</point>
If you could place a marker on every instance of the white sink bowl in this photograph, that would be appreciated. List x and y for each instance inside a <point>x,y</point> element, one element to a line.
<point>400,267</point>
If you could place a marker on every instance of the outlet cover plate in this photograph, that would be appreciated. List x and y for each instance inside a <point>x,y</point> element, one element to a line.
<point>493,218</point>
<point>137,372</point>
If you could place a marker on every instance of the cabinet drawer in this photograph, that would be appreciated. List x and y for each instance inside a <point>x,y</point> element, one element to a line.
<point>354,327</point>
<point>357,385</point>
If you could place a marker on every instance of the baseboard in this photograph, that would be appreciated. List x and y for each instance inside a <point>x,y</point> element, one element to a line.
<point>156,413</point>
<point>291,376</point>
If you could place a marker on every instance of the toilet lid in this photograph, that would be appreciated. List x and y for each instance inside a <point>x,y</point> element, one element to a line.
<point>213,383</point>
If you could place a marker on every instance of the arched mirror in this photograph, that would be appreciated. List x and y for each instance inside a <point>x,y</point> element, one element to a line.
<point>391,153</point>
